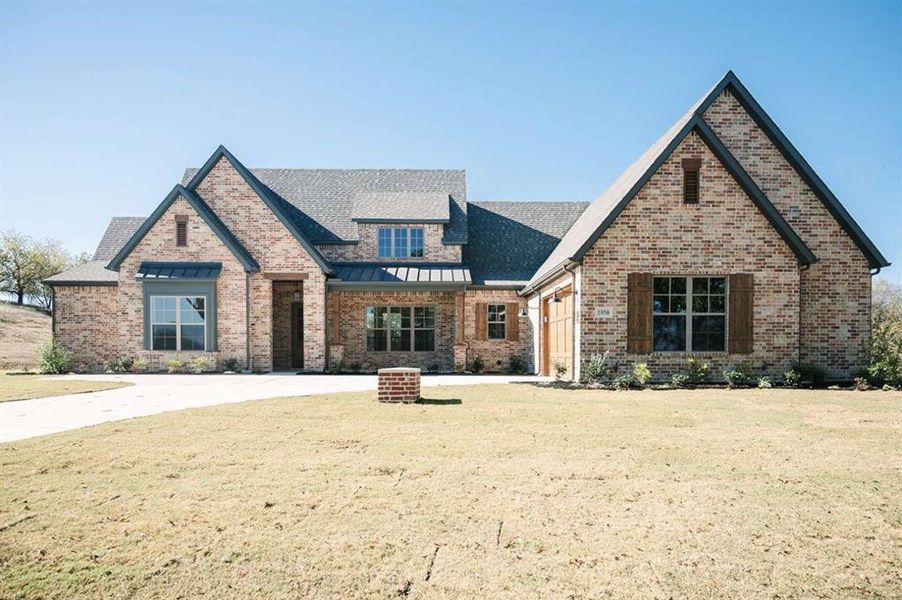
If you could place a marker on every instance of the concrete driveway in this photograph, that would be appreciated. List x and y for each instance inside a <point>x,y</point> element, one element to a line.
<point>152,394</point>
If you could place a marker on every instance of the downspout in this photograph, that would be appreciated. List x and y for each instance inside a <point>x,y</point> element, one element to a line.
<point>463,332</point>
<point>247,320</point>
<point>575,312</point>
<point>53,311</point>
<point>871,315</point>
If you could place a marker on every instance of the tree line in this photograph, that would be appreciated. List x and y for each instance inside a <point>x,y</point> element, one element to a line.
<point>25,262</point>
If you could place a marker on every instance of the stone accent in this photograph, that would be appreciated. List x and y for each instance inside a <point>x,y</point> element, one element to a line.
<point>367,249</point>
<point>496,354</point>
<point>85,324</point>
<point>836,291</point>
<point>399,384</point>
<point>351,330</point>
<point>724,233</point>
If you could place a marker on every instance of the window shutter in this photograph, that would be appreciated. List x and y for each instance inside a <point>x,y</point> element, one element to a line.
<point>741,313</point>
<point>482,320</point>
<point>638,313</point>
<point>513,321</point>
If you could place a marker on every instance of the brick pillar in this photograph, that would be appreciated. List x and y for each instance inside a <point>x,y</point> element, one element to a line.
<point>400,384</point>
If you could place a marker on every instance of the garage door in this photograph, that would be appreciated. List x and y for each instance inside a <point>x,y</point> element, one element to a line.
<point>558,327</point>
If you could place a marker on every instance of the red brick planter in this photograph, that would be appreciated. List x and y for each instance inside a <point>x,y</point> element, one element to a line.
<point>399,384</point>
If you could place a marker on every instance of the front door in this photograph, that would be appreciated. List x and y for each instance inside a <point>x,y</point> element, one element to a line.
<point>297,335</point>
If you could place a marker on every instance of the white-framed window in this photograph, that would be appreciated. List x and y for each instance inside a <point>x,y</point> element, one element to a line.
<point>178,323</point>
<point>400,328</point>
<point>497,322</point>
<point>689,314</point>
<point>400,242</point>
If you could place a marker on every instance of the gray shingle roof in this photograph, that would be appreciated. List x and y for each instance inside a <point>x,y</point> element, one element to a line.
<point>117,233</point>
<point>509,240</point>
<point>402,207</point>
<point>90,273</point>
<point>323,199</point>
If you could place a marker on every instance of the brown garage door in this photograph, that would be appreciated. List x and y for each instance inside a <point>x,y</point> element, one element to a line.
<point>558,330</point>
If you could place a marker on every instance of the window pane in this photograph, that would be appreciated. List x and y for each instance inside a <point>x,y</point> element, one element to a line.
<point>192,337</point>
<point>678,304</point>
<point>716,304</point>
<point>400,340</point>
<point>429,316</point>
<point>669,333</point>
<point>661,304</point>
<point>405,317</point>
<point>162,310</point>
<point>379,313</point>
<point>717,285</point>
<point>496,331</point>
<point>700,285</point>
<point>163,337</point>
<point>400,241</point>
<point>699,304</point>
<point>708,333</point>
<point>416,242</point>
<point>424,340</point>
<point>191,310</point>
<point>376,340</point>
<point>369,317</point>
<point>384,242</point>
<point>662,285</point>
<point>677,285</point>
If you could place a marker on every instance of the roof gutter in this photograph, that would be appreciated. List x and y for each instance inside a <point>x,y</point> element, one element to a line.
<point>560,269</point>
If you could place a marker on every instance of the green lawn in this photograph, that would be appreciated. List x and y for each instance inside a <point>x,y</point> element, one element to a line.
<point>26,387</point>
<point>506,491</point>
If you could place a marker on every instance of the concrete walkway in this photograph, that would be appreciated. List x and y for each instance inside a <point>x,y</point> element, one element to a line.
<point>153,394</point>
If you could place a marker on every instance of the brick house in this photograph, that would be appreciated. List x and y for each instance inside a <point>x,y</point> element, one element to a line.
<point>719,242</point>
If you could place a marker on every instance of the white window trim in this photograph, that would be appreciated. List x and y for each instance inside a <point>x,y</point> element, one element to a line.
<point>490,322</point>
<point>178,322</point>
<point>413,328</point>
<point>391,238</point>
<point>690,313</point>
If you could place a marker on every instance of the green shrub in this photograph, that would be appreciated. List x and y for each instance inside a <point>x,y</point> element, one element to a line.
<point>174,365</point>
<point>54,359</point>
<point>338,366</point>
<point>141,365</point>
<point>792,378</point>
<point>886,335</point>
<point>764,383</point>
<point>560,369</point>
<point>231,364</point>
<point>625,381</point>
<point>354,367</point>
<point>596,367</point>
<point>123,364</point>
<point>203,364</point>
<point>739,376</point>
<point>642,373</point>
<point>477,365</point>
<point>697,371</point>
<point>680,380</point>
<point>515,364</point>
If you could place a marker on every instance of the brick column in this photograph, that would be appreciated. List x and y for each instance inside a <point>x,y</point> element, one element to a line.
<point>399,384</point>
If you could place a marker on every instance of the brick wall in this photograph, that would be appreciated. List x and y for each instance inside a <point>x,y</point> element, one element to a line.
<point>277,250</point>
<point>86,318</point>
<point>399,385</point>
<point>496,354</point>
<point>725,233</point>
<point>203,246</point>
<point>836,291</point>
<point>352,329</point>
<point>367,249</point>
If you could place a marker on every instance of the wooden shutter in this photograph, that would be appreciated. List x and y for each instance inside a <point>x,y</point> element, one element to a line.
<point>482,320</point>
<point>181,230</point>
<point>513,321</point>
<point>638,313</point>
<point>691,169</point>
<point>741,313</point>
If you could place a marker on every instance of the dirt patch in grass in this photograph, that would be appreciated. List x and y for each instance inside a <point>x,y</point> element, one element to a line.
<point>515,491</point>
<point>27,387</point>
<point>22,332</point>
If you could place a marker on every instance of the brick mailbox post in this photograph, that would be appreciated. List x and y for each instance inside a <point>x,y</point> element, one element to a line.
<point>399,384</point>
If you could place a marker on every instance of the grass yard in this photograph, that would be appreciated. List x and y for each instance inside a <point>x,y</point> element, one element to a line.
<point>27,387</point>
<point>506,491</point>
<point>23,330</point>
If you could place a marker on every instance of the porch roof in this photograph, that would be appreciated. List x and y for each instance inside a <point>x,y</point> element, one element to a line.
<point>401,274</point>
<point>179,270</point>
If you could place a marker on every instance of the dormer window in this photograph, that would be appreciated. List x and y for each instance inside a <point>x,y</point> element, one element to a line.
<point>400,242</point>
<point>691,169</point>
<point>181,231</point>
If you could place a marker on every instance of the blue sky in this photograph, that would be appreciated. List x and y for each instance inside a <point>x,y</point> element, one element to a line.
<point>103,105</point>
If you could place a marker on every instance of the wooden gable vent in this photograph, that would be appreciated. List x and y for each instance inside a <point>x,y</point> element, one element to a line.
<point>691,169</point>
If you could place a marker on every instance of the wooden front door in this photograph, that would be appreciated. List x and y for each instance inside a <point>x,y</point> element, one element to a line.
<point>557,325</point>
<point>297,335</point>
